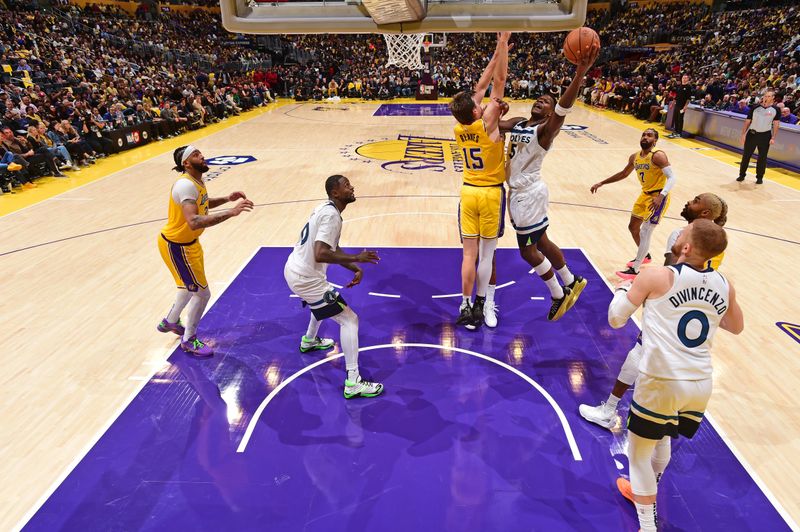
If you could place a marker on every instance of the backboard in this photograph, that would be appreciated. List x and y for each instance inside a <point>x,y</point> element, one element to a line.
<point>352,16</point>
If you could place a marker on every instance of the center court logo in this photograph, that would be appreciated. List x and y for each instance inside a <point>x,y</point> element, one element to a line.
<point>407,153</point>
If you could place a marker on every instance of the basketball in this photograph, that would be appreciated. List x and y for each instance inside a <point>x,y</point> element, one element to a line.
<point>579,42</point>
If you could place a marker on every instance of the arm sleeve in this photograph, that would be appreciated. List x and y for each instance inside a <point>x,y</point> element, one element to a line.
<point>183,190</point>
<point>329,229</point>
<point>777,117</point>
<point>620,310</point>
<point>750,113</point>
<point>671,179</point>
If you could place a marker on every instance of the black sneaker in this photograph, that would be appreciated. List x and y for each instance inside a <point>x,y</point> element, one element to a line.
<point>740,178</point>
<point>559,306</point>
<point>465,317</point>
<point>477,314</point>
<point>759,181</point>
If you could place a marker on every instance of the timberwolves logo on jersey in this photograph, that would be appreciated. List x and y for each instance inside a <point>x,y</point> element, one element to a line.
<point>407,154</point>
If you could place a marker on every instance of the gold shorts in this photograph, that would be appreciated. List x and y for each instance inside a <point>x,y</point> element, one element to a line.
<point>643,208</point>
<point>185,263</point>
<point>482,211</point>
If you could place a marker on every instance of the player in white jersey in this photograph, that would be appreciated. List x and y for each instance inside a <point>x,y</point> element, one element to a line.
<point>684,305</point>
<point>708,206</point>
<point>305,273</point>
<point>528,197</point>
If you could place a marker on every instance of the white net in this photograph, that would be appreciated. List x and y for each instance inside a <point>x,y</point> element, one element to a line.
<point>404,49</point>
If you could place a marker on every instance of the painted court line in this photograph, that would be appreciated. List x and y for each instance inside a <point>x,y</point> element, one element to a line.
<point>459,294</point>
<point>573,445</point>
<point>723,436</point>
<point>82,454</point>
<point>378,294</point>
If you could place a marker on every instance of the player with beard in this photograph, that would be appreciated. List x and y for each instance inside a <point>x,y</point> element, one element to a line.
<point>528,199</point>
<point>657,179</point>
<point>180,248</point>
<point>306,274</point>
<point>708,206</point>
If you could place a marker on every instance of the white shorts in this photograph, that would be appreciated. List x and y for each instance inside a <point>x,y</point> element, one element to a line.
<point>527,208</point>
<point>665,407</point>
<point>317,293</point>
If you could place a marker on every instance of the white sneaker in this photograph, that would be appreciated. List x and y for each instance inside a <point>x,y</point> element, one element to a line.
<point>602,415</point>
<point>490,311</point>
<point>361,388</point>
<point>315,344</point>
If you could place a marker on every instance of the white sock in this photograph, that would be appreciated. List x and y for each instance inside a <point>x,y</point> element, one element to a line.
<point>612,401</point>
<point>464,302</point>
<point>483,272</point>
<point>490,292</point>
<point>541,270</point>
<point>313,328</point>
<point>348,338</point>
<point>352,375</point>
<point>647,517</point>
<point>556,292</point>
<point>645,235</point>
<point>196,307</point>
<point>181,300</point>
<point>566,276</point>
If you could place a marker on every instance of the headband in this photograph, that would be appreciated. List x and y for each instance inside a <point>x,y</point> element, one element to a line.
<point>187,153</point>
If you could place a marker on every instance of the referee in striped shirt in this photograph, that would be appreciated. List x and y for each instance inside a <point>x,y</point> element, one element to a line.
<point>760,130</point>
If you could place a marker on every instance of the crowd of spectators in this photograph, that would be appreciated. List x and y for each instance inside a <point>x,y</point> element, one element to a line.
<point>88,71</point>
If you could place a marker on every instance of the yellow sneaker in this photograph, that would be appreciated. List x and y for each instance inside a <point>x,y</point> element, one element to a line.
<point>14,167</point>
<point>576,287</point>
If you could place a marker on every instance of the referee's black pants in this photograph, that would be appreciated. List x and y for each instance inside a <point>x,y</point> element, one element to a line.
<point>677,121</point>
<point>754,140</point>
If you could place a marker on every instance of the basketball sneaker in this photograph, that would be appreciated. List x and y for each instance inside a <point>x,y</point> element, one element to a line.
<point>315,344</point>
<point>166,326</point>
<point>490,311</point>
<point>646,260</point>
<point>576,286</point>
<point>195,347</point>
<point>477,312</point>
<point>603,415</point>
<point>629,274</point>
<point>759,181</point>
<point>559,306</point>
<point>624,487</point>
<point>465,317</point>
<point>361,388</point>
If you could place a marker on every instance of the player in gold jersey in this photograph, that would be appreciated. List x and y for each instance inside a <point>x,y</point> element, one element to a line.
<point>657,179</point>
<point>708,206</point>
<point>481,210</point>
<point>180,248</point>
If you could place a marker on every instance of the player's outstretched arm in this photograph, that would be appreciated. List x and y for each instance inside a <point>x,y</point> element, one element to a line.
<point>213,203</point>
<point>619,176</point>
<point>552,127</point>
<point>651,282</point>
<point>196,220</point>
<point>509,123</point>
<point>733,320</point>
<point>485,79</point>
<point>324,253</point>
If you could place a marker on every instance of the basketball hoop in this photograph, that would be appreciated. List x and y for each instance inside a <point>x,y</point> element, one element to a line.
<point>404,49</point>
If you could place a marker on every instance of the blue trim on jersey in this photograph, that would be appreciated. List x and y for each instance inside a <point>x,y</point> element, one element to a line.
<point>678,267</point>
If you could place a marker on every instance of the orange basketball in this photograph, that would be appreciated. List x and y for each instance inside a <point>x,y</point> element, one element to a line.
<point>579,42</point>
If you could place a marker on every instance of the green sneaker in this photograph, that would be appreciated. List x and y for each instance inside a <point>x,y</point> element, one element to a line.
<point>316,344</point>
<point>361,388</point>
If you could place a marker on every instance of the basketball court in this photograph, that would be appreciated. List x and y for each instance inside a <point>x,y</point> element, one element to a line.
<point>107,424</point>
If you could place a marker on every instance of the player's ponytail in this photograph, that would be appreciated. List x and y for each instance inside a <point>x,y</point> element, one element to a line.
<point>723,213</point>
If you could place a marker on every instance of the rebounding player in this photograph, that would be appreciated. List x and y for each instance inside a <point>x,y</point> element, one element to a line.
<point>657,179</point>
<point>180,247</point>
<point>705,206</point>
<point>684,305</point>
<point>482,206</point>
<point>528,197</point>
<point>305,273</point>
